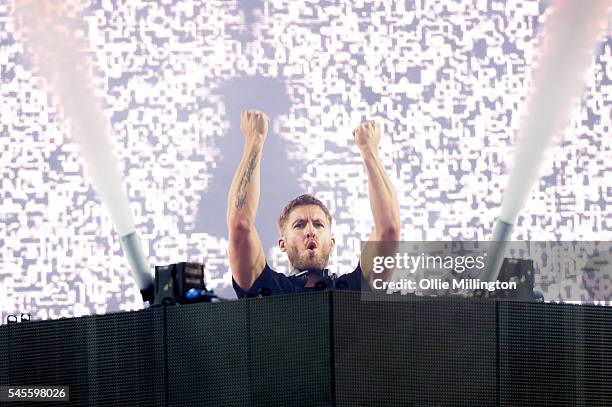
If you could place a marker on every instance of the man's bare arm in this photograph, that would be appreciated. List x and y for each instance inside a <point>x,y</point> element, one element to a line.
<point>383,198</point>
<point>246,253</point>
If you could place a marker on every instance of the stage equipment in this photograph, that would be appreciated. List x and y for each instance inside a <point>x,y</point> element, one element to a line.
<point>181,283</point>
<point>519,271</point>
<point>326,348</point>
<point>132,248</point>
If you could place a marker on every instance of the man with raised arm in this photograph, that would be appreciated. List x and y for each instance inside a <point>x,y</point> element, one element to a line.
<point>305,223</point>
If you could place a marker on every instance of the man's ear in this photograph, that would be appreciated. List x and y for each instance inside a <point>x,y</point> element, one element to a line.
<point>333,242</point>
<point>282,245</point>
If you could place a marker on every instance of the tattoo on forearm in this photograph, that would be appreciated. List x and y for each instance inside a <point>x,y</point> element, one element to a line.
<point>246,178</point>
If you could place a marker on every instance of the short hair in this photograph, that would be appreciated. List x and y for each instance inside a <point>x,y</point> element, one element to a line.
<point>302,200</point>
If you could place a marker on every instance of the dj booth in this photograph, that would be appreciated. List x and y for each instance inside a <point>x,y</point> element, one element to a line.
<point>321,349</point>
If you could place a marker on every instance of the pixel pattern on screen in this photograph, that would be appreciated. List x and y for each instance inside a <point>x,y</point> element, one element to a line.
<point>446,81</point>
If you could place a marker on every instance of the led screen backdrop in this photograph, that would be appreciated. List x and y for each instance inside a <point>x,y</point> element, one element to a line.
<point>447,81</point>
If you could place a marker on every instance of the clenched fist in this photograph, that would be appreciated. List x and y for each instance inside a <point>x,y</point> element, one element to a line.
<point>367,135</point>
<point>254,124</point>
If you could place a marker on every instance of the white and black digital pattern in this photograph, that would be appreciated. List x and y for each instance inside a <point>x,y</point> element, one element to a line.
<point>447,81</point>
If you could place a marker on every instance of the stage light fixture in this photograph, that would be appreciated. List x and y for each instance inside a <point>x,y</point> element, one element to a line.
<point>181,283</point>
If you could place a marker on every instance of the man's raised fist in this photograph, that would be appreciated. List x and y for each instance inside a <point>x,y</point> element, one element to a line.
<point>254,124</point>
<point>367,135</point>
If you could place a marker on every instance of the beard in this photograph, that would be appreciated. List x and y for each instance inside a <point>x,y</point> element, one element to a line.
<point>307,261</point>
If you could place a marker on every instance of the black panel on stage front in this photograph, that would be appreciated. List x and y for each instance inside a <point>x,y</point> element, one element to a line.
<point>555,355</point>
<point>413,352</point>
<point>208,354</point>
<point>49,353</point>
<point>106,360</point>
<point>290,350</point>
<point>125,359</point>
<point>5,351</point>
<point>319,349</point>
<point>594,341</point>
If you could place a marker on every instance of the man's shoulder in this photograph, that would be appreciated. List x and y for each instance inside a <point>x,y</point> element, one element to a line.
<point>356,270</point>
<point>350,281</point>
<point>269,282</point>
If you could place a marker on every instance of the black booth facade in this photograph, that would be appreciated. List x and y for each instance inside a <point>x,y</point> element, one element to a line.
<point>321,349</point>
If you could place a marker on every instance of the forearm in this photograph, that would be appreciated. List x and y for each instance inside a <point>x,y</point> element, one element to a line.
<point>383,198</point>
<point>243,197</point>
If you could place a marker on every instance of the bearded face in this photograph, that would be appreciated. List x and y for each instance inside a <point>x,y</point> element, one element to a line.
<point>307,239</point>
